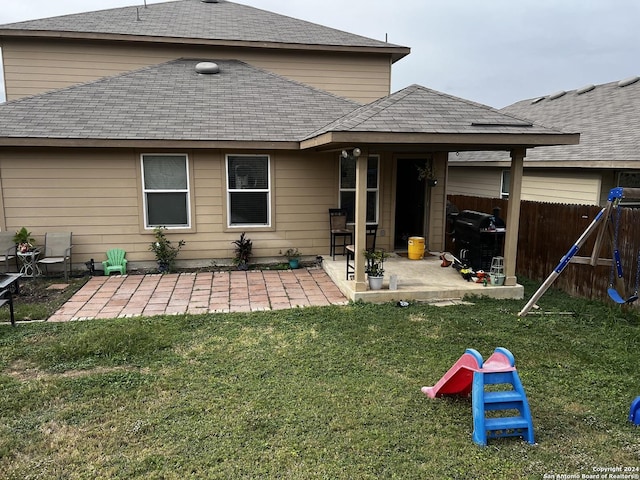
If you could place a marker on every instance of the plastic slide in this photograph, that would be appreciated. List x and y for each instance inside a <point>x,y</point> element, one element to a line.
<point>459,378</point>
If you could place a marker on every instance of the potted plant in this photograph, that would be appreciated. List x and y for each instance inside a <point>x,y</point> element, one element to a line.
<point>24,241</point>
<point>165,251</point>
<point>375,267</point>
<point>426,172</point>
<point>293,256</point>
<point>243,252</point>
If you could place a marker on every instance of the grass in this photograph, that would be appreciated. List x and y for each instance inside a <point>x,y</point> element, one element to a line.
<point>37,301</point>
<point>330,392</point>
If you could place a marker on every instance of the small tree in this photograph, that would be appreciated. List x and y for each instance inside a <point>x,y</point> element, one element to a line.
<point>165,251</point>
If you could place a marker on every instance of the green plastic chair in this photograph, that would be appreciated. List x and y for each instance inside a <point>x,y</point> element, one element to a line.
<point>115,262</point>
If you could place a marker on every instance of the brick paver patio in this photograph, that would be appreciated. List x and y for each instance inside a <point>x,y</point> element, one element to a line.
<point>205,292</point>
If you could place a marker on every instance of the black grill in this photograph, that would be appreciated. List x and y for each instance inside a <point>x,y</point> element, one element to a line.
<point>477,240</point>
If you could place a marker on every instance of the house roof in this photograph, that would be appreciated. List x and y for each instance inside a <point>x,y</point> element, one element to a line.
<point>171,101</point>
<point>219,23</point>
<point>605,115</point>
<point>425,116</point>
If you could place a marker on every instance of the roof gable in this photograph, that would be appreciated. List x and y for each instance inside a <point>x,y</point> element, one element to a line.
<point>172,101</point>
<point>222,21</point>
<point>417,109</point>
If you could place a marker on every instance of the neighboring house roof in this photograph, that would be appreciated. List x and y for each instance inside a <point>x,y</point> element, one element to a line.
<point>606,116</point>
<point>220,22</point>
<point>429,114</point>
<point>171,101</point>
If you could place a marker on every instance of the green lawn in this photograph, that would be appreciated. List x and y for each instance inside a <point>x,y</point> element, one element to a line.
<point>329,392</point>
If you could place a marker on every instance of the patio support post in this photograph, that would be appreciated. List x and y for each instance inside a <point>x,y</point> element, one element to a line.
<point>361,220</point>
<point>513,216</point>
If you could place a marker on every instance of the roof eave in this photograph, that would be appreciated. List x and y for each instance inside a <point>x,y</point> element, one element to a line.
<point>396,52</point>
<point>459,141</point>
<point>145,143</point>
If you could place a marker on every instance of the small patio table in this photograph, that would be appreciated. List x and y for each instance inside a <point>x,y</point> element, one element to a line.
<point>29,261</point>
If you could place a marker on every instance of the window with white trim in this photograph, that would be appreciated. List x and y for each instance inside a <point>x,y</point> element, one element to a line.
<point>348,187</point>
<point>248,191</point>
<point>629,179</point>
<point>505,184</point>
<point>165,185</point>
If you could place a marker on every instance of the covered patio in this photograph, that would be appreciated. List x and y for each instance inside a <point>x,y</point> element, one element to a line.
<point>422,123</point>
<point>417,280</point>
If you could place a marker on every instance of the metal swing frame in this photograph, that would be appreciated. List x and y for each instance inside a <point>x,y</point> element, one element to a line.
<point>600,224</point>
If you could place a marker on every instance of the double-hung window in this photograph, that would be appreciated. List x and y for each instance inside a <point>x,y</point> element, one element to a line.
<point>348,187</point>
<point>248,190</point>
<point>165,183</point>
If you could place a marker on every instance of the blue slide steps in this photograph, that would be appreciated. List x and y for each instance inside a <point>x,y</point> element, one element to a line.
<point>502,405</point>
<point>634,411</point>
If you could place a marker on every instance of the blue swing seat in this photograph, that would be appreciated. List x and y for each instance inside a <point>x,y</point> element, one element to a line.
<point>615,296</point>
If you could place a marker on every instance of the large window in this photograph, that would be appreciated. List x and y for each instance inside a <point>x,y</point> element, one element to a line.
<point>165,183</point>
<point>248,187</point>
<point>348,187</point>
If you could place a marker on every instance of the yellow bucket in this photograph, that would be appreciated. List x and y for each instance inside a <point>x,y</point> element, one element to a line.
<point>416,248</point>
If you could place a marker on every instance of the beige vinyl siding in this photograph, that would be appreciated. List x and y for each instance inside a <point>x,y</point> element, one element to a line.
<point>35,66</point>
<point>474,181</point>
<point>575,187</point>
<point>437,205</point>
<point>96,194</point>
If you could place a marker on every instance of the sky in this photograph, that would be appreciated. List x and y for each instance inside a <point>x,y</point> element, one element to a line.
<point>494,52</point>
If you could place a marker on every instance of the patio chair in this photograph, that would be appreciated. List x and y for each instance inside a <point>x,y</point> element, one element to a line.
<point>57,249</point>
<point>338,227</point>
<point>115,262</point>
<point>7,249</point>
<point>6,298</point>
<point>372,233</point>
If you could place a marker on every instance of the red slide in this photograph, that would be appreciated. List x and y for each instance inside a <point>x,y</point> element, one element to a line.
<point>459,378</point>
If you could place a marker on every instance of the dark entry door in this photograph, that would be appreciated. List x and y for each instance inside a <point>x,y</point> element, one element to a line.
<point>410,202</point>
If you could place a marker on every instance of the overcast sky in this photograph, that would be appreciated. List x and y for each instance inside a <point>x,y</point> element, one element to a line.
<point>494,52</point>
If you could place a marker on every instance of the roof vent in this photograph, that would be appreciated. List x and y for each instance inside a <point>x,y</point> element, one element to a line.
<point>537,100</point>
<point>207,68</point>
<point>628,81</point>
<point>585,89</point>
<point>209,1</point>
<point>557,95</point>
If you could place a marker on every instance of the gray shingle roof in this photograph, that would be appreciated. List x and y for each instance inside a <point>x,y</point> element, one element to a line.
<point>417,109</point>
<point>606,116</point>
<point>172,102</point>
<point>194,19</point>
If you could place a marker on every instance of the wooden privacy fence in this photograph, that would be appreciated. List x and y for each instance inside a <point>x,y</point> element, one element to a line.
<point>547,232</point>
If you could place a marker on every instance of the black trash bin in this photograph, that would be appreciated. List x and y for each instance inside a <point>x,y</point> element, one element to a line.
<point>477,240</point>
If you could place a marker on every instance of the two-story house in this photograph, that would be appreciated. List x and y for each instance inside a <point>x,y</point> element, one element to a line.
<point>213,118</point>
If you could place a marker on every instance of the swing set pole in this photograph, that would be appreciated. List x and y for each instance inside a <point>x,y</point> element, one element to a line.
<point>615,195</point>
<point>602,215</point>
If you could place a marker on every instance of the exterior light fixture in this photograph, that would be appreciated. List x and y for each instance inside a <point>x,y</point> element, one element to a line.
<point>355,153</point>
